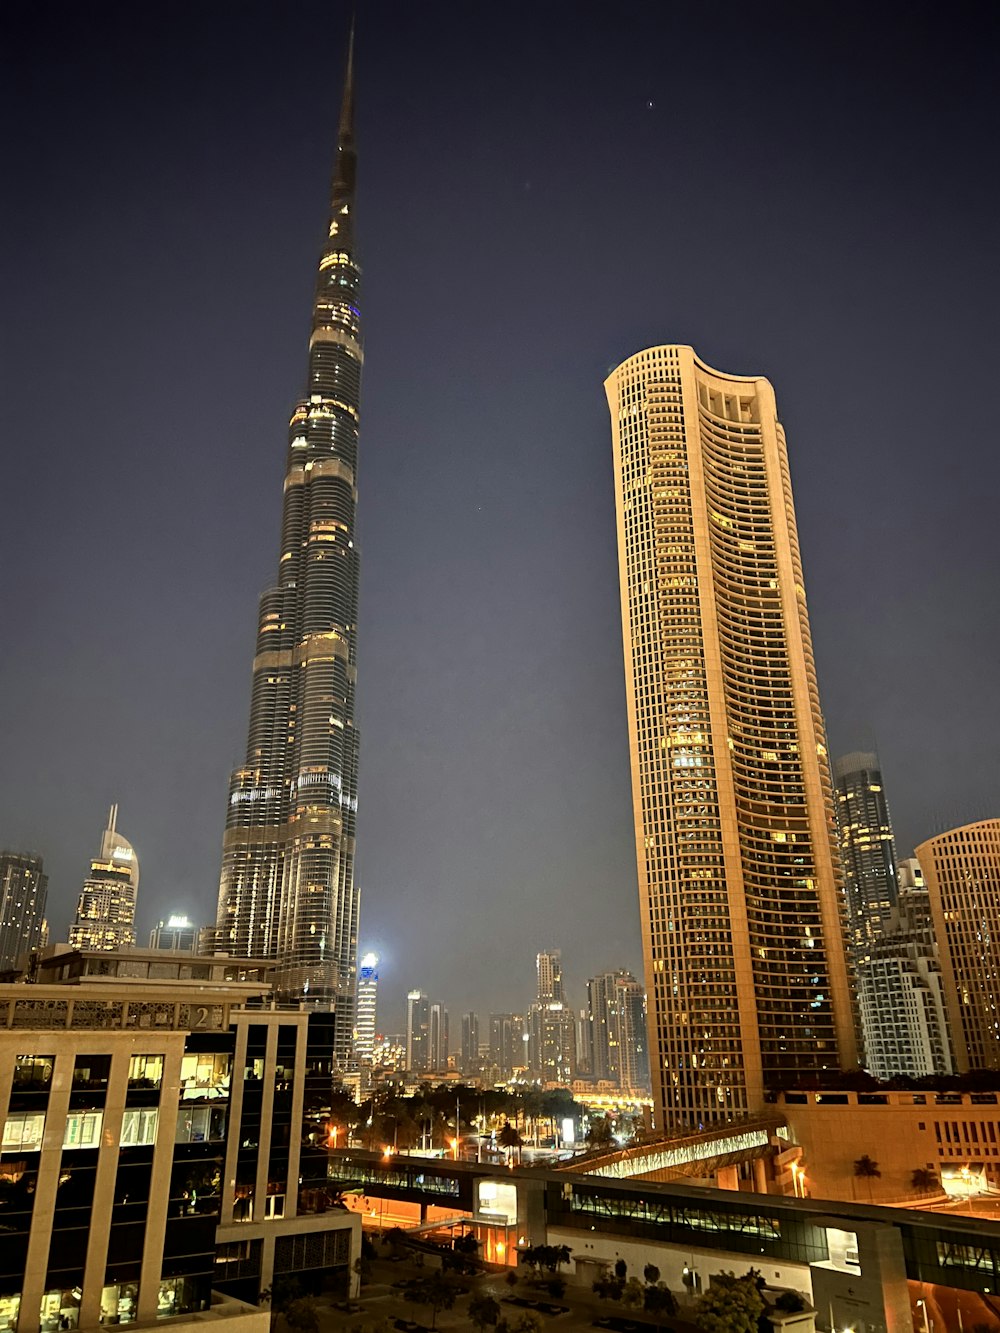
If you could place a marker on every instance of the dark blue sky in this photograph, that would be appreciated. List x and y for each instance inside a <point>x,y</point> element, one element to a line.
<point>807,192</point>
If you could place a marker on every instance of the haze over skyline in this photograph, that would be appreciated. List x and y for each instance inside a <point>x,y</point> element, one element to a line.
<point>540,197</point>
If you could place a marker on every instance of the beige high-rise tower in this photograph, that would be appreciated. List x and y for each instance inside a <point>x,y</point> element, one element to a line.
<point>738,874</point>
<point>962,871</point>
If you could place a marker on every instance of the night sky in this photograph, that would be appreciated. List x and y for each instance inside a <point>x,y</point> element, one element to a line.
<point>804,191</point>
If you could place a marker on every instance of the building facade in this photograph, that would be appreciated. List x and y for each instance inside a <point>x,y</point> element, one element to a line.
<point>438,1038</point>
<point>105,914</point>
<point>739,883</point>
<point>287,888</point>
<point>367,1002</point>
<point>551,1024</point>
<point>149,1104</point>
<point>418,1032</point>
<point>507,1052</point>
<point>471,1063</point>
<point>23,892</point>
<point>962,872</point>
<point>867,849</point>
<point>177,933</point>
<point>616,1031</point>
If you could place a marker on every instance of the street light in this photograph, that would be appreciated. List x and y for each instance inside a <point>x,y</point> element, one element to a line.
<point>454,1148</point>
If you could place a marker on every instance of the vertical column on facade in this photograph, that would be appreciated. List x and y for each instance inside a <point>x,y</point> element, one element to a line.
<point>751,1072</point>
<point>104,1188</point>
<point>266,1117</point>
<point>295,1129</point>
<point>43,1212</point>
<point>233,1125</point>
<point>159,1184</point>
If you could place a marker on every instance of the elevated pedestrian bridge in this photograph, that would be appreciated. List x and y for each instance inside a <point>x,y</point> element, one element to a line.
<point>701,1154</point>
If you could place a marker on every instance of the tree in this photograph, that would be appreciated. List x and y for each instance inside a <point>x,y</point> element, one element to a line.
<point>621,1269</point>
<point>509,1138</point>
<point>301,1316</point>
<point>484,1310</point>
<point>633,1294</point>
<point>731,1305</point>
<point>791,1302</point>
<point>527,1322</point>
<point>659,1302</point>
<point>435,1290</point>
<point>866,1169</point>
<point>924,1180</point>
<point>651,1273</point>
<point>599,1133</point>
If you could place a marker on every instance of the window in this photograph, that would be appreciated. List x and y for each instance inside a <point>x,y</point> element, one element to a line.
<point>22,1132</point>
<point>83,1129</point>
<point>139,1127</point>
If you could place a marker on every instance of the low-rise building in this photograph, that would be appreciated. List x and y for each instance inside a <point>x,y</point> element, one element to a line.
<point>128,1114</point>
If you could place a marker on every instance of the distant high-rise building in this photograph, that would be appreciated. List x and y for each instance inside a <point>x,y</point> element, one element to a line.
<point>23,891</point>
<point>470,1044</point>
<point>418,1032</point>
<point>867,849</point>
<point>105,915</point>
<point>900,991</point>
<point>551,1024</point>
<point>287,887</point>
<point>364,1022</point>
<point>616,1012</point>
<point>962,872</point>
<point>438,1038</point>
<point>176,933</point>
<point>507,1046</point>
<point>548,969</point>
<point>742,925</point>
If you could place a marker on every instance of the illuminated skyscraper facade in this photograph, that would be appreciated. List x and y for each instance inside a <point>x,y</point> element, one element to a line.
<point>741,915</point>
<point>287,887</point>
<point>23,891</point>
<point>105,915</point>
<point>962,872</point>
<point>867,849</point>
<point>364,1024</point>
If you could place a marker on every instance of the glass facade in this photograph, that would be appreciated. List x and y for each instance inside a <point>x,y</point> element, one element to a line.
<point>287,885</point>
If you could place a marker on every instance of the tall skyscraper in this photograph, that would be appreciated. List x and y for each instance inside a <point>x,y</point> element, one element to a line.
<point>616,1026</point>
<point>551,1024</point>
<point>901,992</point>
<point>418,1032</point>
<point>737,859</point>
<point>364,1026</point>
<point>548,970</point>
<point>507,1046</point>
<point>470,1045</point>
<point>962,872</point>
<point>287,887</point>
<point>867,849</point>
<point>105,915</point>
<point>438,1038</point>
<point>23,890</point>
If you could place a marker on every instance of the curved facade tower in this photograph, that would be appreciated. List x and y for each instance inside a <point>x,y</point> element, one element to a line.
<point>739,882</point>
<point>287,887</point>
<point>105,914</point>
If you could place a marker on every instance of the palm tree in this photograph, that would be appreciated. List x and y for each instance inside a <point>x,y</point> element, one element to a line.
<point>508,1137</point>
<point>867,1169</point>
<point>924,1180</point>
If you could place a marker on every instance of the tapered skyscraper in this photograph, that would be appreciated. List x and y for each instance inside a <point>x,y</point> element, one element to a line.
<point>287,888</point>
<point>741,916</point>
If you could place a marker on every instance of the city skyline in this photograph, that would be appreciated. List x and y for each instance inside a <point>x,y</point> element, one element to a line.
<point>478,653</point>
